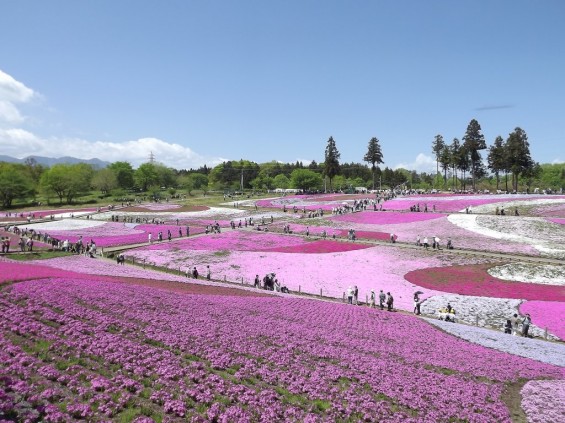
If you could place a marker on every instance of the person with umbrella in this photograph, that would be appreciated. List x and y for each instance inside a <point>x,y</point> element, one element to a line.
<point>417,302</point>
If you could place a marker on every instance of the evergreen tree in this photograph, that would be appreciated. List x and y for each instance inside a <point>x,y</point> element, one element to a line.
<point>437,147</point>
<point>518,154</point>
<point>374,155</point>
<point>455,153</point>
<point>474,141</point>
<point>445,161</point>
<point>331,162</point>
<point>496,159</point>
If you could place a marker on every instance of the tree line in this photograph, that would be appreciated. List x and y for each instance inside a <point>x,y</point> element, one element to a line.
<point>461,164</point>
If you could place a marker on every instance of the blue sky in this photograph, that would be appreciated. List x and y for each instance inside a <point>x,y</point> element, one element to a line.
<point>203,81</point>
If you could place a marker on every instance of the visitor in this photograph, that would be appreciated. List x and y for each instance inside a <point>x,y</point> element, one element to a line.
<point>515,321</point>
<point>426,245</point>
<point>257,283</point>
<point>355,295</point>
<point>526,325</point>
<point>194,273</point>
<point>389,302</point>
<point>372,299</point>
<point>349,295</point>
<point>382,298</point>
<point>417,304</point>
<point>208,273</point>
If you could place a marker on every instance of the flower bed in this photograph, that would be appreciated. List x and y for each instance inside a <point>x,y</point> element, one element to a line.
<point>543,401</point>
<point>559,221</point>
<point>546,274</point>
<point>78,343</point>
<point>547,314</point>
<point>369,268</point>
<point>475,280</point>
<point>385,218</point>
<point>536,349</point>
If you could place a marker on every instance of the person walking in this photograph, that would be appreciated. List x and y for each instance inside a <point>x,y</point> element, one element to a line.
<point>349,295</point>
<point>355,295</point>
<point>382,299</point>
<point>417,304</point>
<point>208,273</point>
<point>526,325</point>
<point>389,302</point>
<point>515,322</point>
<point>372,299</point>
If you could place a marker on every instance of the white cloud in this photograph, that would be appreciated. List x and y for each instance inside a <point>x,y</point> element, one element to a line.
<point>422,163</point>
<point>21,143</point>
<point>12,92</point>
<point>558,161</point>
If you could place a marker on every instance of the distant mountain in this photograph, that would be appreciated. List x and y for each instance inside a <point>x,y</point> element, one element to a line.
<point>50,161</point>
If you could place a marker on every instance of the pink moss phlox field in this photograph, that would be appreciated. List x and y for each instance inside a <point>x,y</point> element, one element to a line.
<point>333,272</point>
<point>112,234</point>
<point>312,202</point>
<point>474,280</point>
<point>160,206</point>
<point>319,247</point>
<point>559,221</point>
<point>233,241</point>
<point>547,314</point>
<point>239,359</point>
<point>386,218</point>
<point>543,401</point>
<point>11,271</point>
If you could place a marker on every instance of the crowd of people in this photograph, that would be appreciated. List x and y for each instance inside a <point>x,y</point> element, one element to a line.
<point>512,325</point>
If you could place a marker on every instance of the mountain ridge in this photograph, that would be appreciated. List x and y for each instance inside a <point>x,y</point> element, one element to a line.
<point>50,161</point>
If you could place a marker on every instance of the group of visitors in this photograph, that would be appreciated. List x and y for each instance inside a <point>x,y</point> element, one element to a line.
<point>6,245</point>
<point>512,325</point>
<point>193,273</point>
<point>388,299</point>
<point>424,242</point>
<point>416,208</point>
<point>270,283</point>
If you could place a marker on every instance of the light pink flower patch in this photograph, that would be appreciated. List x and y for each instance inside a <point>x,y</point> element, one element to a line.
<point>320,247</point>
<point>547,314</point>
<point>160,206</point>
<point>233,241</point>
<point>385,218</point>
<point>543,401</point>
<point>560,221</point>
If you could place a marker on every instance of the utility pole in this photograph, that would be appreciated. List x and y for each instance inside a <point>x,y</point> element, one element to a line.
<point>242,180</point>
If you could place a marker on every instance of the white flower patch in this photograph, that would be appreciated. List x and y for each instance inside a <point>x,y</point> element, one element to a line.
<point>510,205</point>
<point>213,213</point>
<point>512,229</point>
<point>68,215</point>
<point>488,312</point>
<point>546,352</point>
<point>65,225</point>
<point>530,273</point>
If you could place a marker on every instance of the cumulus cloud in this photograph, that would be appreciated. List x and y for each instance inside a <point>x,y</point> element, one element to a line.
<point>21,143</point>
<point>422,163</point>
<point>11,93</point>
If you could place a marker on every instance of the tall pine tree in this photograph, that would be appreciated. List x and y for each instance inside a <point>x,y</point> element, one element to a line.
<point>474,141</point>
<point>374,155</point>
<point>331,161</point>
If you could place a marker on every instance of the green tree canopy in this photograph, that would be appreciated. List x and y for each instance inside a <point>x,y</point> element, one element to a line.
<point>305,179</point>
<point>67,181</point>
<point>145,176</point>
<point>124,174</point>
<point>15,182</point>
<point>374,155</point>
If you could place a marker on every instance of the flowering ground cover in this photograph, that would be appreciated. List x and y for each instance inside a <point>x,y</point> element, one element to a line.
<point>475,280</point>
<point>11,271</point>
<point>73,349</point>
<point>547,314</point>
<point>476,203</point>
<point>536,349</point>
<point>547,274</point>
<point>385,218</point>
<point>517,232</point>
<point>312,202</point>
<point>559,221</point>
<point>544,400</point>
<point>243,254</point>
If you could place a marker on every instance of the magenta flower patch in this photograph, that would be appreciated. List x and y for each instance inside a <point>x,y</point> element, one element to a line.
<point>319,247</point>
<point>547,314</point>
<point>385,218</point>
<point>474,280</point>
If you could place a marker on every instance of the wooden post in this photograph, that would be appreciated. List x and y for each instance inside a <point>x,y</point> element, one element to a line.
<point>477,320</point>
<point>320,292</point>
<point>344,297</point>
<point>242,280</point>
<point>299,289</point>
<point>224,278</point>
<point>545,334</point>
<point>366,299</point>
